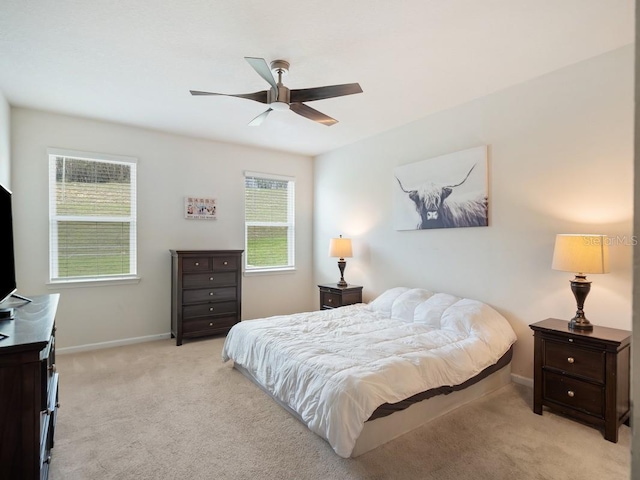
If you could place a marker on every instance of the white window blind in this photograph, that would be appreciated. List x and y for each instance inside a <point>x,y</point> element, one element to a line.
<point>269,222</point>
<point>92,216</point>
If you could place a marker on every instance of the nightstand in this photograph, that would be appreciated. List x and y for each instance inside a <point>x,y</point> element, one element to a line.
<point>333,296</point>
<point>583,374</point>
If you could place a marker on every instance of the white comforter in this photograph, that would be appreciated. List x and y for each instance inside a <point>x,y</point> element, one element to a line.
<point>335,367</point>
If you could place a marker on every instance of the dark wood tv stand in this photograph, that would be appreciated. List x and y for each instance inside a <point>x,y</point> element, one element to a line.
<point>29,389</point>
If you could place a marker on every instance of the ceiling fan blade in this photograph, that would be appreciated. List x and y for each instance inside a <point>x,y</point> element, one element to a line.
<point>260,66</point>
<point>257,96</point>
<point>319,93</point>
<point>312,114</point>
<point>260,118</point>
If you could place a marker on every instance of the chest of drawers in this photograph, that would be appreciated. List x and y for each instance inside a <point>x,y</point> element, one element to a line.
<point>584,375</point>
<point>28,390</point>
<point>205,292</point>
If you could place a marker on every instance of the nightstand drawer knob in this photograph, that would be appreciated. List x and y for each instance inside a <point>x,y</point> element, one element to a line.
<point>226,263</point>
<point>211,279</point>
<point>570,360</point>
<point>211,324</point>
<point>571,393</point>
<point>197,264</point>
<point>330,300</point>
<point>211,309</point>
<point>211,294</point>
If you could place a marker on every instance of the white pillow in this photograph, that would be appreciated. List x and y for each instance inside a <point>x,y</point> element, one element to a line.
<point>384,301</point>
<point>431,311</point>
<point>403,307</point>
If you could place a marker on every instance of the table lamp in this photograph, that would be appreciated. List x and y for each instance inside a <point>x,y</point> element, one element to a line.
<point>341,248</point>
<point>581,254</point>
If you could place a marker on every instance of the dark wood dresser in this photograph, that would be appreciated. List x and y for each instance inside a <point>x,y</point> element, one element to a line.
<point>583,374</point>
<point>206,292</point>
<point>28,389</point>
<point>334,296</point>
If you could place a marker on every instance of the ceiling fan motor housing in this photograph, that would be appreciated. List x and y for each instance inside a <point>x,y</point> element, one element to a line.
<point>281,95</point>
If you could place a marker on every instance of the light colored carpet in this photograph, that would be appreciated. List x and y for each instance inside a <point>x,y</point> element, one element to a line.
<point>157,411</point>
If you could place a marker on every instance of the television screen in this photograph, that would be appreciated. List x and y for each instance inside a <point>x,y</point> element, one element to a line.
<point>7,260</point>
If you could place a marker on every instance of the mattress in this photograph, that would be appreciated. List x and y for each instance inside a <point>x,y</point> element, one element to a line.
<point>334,368</point>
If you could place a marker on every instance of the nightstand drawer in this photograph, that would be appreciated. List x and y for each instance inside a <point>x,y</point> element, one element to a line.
<point>330,300</point>
<point>209,279</point>
<point>575,360</point>
<point>205,309</point>
<point>196,264</point>
<point>574,393</point>
<point>208,295</point>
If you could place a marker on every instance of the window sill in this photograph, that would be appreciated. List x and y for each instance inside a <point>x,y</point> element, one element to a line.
<point>55,284</point>
<point>272,271</point>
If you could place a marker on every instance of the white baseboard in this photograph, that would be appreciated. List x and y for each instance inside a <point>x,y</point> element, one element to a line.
<point>113,343</point>
<point>519,379</point>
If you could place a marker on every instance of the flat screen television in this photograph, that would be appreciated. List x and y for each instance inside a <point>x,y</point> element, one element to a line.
<point>8,284</point>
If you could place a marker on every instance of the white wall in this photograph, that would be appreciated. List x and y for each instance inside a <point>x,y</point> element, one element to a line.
<point>560,161</point>
<point>169,168</point>
<point>5,146</point>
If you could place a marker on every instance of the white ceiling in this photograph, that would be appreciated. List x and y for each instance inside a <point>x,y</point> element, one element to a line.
<point>134,62</point>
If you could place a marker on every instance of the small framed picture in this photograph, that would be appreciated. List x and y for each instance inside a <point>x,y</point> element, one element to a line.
<point>200,208</point>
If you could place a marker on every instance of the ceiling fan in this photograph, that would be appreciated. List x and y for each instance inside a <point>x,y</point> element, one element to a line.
<point>280,98</point>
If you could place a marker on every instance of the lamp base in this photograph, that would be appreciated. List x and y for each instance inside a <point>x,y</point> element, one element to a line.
<point>580,287</point>
<point>341,265</point>
<point>582,324</point>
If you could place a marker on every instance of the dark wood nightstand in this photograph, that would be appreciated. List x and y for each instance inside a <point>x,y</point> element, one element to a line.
<point>581,374</point>
<point>333,296</point>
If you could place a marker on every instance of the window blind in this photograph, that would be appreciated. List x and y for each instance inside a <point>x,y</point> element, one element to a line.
<point>269,222</point>
<point>92,213</point>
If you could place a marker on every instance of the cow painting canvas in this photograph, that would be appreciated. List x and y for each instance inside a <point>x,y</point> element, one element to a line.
<point>448,191</point>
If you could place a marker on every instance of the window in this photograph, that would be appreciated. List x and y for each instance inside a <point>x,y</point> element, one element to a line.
<point>92,216</point>
<point>269,222</point>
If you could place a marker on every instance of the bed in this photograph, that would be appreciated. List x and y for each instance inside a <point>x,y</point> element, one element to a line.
<point>362,374</point>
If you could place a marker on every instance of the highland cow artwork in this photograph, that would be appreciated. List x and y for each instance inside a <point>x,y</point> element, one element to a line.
<point>448,191</point>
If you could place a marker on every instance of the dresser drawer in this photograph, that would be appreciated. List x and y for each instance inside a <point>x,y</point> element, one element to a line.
<point>575,360</point>
<point>47,372</point>
<point>196,264</point>
<point>209,295</point>
<point>229,262</point>
<point>208,279</point>
<point>209,309</point>
<point>574,393</point>
<point>204,325</point>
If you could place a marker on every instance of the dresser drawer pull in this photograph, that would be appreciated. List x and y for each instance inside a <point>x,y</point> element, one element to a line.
<point>571,393</point>
<point>53,368</point>
<point>211,309</point>
<point>211,279</point>
<point>211,324</point>
<point>571,340</point>
<point>211,294</point>
<point>226,263</point>
<point>570,360</point>
<point>330,300</point>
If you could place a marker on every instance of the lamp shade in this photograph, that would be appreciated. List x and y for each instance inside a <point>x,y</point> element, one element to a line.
<point>581,253</point>
<point>340,247</point>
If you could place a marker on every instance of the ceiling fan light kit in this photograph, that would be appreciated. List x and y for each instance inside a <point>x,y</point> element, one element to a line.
<point>280,98</point>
